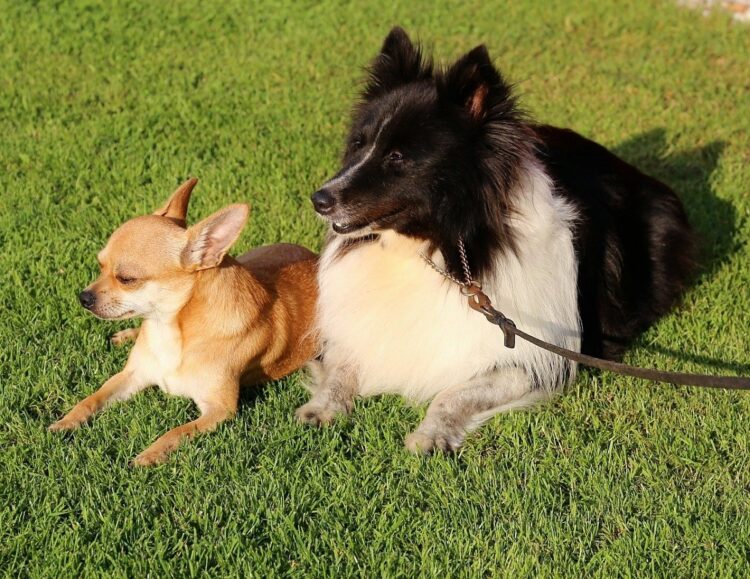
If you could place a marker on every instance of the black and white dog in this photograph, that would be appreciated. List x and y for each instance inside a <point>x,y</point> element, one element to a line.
<point>576,246</point>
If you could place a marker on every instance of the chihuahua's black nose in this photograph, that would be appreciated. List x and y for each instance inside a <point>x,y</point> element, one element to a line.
<point>323,201</point>
<point>87,299</point>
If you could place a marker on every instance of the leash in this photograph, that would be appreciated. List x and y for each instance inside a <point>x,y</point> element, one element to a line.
<point>480,302</point>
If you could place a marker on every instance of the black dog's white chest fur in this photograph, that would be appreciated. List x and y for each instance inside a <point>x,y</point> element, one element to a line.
<point>408,330</point>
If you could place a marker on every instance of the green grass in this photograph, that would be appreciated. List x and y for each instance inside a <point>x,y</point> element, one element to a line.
<point>105,107</point>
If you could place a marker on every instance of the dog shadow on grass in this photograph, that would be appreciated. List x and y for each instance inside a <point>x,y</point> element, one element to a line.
<point>689,174</point>
<point>714,220</point>
<point>251,395</point>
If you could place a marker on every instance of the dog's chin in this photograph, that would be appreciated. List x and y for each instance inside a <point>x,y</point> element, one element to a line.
<point>356,228</point>
<point>351,229</point>
<point>115,315</point>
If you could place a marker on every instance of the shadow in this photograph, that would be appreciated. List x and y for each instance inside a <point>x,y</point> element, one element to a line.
<point>253,394</point>
<point>689,173</point>
<point>705,361</point>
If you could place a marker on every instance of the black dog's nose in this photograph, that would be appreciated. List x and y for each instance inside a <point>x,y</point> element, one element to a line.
<point>323,201</point>
<point>87,299</point>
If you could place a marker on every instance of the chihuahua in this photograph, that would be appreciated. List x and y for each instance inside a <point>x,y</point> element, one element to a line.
<point>211,323</point>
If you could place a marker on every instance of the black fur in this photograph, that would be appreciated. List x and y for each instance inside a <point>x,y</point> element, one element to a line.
<point>634,245</point>
<point>438,154</point>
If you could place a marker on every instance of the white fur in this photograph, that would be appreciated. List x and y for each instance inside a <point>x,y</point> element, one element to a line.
<point>407,330</point>
<point>344,177</point>
<point>158,353</point>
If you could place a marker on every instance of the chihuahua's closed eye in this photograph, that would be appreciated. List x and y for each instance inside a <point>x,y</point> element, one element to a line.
<point>211,323</point>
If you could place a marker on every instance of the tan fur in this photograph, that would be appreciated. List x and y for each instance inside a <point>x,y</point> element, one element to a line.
<point>124,336</point>
<point>211,322</point>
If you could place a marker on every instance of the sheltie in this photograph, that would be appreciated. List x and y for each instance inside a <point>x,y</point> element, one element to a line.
<point>576,246</point>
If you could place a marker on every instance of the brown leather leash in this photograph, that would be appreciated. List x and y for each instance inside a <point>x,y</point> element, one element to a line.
<point>480,302</point>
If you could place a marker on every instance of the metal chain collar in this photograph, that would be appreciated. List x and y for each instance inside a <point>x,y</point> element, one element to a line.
<point>446,274</point>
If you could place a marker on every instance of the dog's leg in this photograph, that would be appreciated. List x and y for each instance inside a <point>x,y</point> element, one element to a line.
<point>121,386</point>
<point>124,336</point>
<point>460,409</point>
<point>334,388</point>
<point>212,414</point>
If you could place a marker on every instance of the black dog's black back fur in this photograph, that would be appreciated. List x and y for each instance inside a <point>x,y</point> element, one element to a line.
<point>634,245</point>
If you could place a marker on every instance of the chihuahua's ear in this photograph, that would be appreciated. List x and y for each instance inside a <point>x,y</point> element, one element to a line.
<point>209,240</point>
<point>176,206</point>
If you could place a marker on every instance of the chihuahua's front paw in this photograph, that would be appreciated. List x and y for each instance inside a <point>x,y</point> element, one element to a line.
<point>150,458</point>
<point>428,442</point>
<point>321,413</point>
<point>124,336</point>
<point>65,423</point>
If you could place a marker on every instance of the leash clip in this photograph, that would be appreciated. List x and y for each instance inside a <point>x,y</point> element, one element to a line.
<point>480,302</point>
<point>509,338</point>
<point>471,288</point>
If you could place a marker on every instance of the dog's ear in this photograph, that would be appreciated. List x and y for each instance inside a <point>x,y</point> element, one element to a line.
<point>400,62</point>
<point>474,83</point>
<point>209,240</point>
<point>176,206</point>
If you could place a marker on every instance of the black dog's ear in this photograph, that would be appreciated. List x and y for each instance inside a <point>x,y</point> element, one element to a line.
<point>399,62</point>
<point>474,83</point>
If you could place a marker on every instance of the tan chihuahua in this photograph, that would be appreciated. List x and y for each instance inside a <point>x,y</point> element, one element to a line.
<point>210,322</point>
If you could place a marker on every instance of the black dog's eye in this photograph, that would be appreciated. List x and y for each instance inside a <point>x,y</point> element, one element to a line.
<point>395,156</point>
<point>125,280</point>
<point>358,142</point>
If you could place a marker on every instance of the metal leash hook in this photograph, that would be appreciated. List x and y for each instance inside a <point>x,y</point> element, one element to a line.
<point>480,302</point>
<point>507,326</point>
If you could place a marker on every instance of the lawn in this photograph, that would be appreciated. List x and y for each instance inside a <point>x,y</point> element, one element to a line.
<point>105,107</point>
